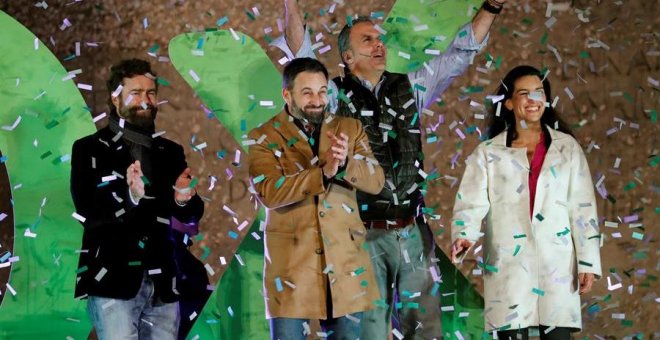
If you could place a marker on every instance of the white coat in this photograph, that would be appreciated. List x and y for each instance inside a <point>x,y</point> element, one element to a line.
<point>530,266</point>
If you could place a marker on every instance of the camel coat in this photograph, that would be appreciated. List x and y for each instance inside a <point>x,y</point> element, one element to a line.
<point>530,267</point>
<point>313,229</point>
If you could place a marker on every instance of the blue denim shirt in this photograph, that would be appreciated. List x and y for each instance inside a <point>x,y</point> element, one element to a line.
<point>435,76</point>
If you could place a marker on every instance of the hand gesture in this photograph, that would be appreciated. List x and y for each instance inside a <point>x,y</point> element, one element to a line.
<point>182,190</point>
<point>134,180</point>
<point>459,248</point>
<point>336,155</point>
<point>586,281</point>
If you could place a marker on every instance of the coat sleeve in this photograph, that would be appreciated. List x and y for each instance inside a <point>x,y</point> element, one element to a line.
<point>471,204</point>
<point>273,188</point>
<point>362,169</point>
<point>194,209</point>
<point>583,214</point>
<point>96,212</point>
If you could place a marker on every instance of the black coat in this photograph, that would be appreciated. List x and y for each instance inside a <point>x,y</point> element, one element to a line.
<point>122,241</point>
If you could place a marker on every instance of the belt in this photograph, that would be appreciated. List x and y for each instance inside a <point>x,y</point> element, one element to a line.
<point>396,223</point>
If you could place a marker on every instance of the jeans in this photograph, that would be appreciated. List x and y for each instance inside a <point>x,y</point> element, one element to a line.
<point>342,328</point>
<point>557,333</point>
<point>138,318</point>
<point>402,261</point>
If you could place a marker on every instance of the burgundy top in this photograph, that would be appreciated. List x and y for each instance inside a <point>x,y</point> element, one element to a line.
<point>537,163</point>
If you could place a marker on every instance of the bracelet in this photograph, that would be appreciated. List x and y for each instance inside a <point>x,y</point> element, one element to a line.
<point>488,7</point>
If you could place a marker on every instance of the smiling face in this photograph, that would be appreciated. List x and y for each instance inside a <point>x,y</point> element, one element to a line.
<point>528,99</point>
<point>137,102</point>
<point>308,98</point>
<point>367,53</point>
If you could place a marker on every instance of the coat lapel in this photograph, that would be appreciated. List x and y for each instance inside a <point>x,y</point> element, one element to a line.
<point>292,135</point>
<point>553,158</point>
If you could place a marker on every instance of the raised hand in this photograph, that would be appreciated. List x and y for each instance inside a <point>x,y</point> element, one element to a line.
<point>335,156</point>
<point>182,190</point>
<point>134,180</point>
<point>459,248</point>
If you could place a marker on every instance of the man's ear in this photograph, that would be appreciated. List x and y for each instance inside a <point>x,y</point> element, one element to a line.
<point>348,56</point>
<point>116,102</point>
<point>286,94</point>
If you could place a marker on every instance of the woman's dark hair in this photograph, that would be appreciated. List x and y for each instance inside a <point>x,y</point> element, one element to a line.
<point>507,120</point>
<point>127,68</point>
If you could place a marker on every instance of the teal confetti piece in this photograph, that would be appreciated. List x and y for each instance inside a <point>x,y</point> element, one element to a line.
<point>538,292</point>
<point>243,125</point>
<point>141,244</point>
<point>222,21</point>
<point>552,169</point>
<point>364,283</point>
<point>193,183</point>
<point>585,263</point>
<point>200,43</point>
<point>460,223</point>
<point>462,33</point>
<point>414,120</point>
<point>359,271</point>
<point>419,87</point>
<point>278,284</point>
<point>52,124</point>
<point>233,234</point>
<point>593,308</point>
<point>81,270</point>
<point>435,289</point>
<point>206,253</point>
<point>326,205</point>
<point>412,305</point>
<point>221,154</point>
<point>45,154</point>
<point>135,263</point>
<point>631,185</point>
<point>563,232</point>
<point>638,236</point>
<point>291,141</point>
<point>364,207</point>
<point>432,138</point>
<point>145,180</point>
<point>162,81</point>
<point>539,217</point>
<point>258,179</point>
<point>519,236</point>
<point>515,252</point>
<point>279,182</point>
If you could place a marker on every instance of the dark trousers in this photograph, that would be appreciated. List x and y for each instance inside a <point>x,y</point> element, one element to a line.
<point>557,333</point>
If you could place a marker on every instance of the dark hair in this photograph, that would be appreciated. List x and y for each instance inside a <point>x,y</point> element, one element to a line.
<point>344,40</point>
<point>507,120</point>
<point>298,65</point>
<point>126,68</point>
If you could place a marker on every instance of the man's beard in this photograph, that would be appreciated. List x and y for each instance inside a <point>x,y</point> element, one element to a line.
<point>307,113</point>
<point>131,115</point>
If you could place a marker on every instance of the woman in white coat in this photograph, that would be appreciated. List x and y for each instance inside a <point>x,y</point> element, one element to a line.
<point>531,182</point>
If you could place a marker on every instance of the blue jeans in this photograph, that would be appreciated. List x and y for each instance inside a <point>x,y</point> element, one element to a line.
<point>138,318</point>
<point>342,328</point>
<point>401,260</point>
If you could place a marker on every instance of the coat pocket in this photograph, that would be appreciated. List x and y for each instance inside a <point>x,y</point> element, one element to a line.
<point>279,247</point>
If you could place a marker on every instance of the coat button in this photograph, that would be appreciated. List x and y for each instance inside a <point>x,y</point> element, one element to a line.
<point>322,214</point>
<point>353,179</point>
<point>319,251</point>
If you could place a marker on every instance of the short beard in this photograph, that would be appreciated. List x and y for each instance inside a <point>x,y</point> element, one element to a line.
<point>312,118</point>
<point>130,114</point>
